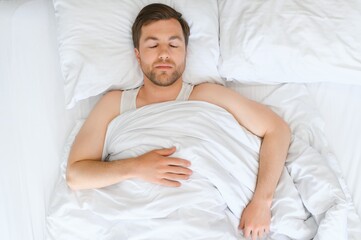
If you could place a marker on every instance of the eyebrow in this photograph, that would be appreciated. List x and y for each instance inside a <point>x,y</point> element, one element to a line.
<point>156,39</point>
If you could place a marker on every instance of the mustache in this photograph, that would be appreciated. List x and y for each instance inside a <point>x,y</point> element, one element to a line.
<point>169,62</point>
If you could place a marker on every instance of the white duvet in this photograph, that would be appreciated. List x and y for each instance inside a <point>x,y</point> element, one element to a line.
<point>308,203</point>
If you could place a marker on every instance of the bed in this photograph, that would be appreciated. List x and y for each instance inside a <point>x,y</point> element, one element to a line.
<point>300,59</point>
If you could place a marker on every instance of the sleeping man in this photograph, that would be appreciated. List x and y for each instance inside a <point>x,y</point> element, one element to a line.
<point>160,37</point>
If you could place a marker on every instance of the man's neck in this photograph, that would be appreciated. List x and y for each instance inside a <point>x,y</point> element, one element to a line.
<point>151,93</point>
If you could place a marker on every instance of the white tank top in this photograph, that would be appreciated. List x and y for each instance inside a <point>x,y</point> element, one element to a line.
<point>129,97</point>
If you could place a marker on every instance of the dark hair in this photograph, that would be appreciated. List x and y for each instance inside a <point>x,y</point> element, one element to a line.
<point>154,12</point>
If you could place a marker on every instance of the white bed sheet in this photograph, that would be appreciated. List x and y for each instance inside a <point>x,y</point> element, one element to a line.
<point>34,123</point>
<point>301,120</point>
<point>340,107</point>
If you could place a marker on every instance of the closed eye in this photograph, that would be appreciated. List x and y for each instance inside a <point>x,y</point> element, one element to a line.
<point>173,46</point>
<point>153,46</point>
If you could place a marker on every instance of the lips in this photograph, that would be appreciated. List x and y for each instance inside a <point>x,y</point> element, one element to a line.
<point>163,66</point>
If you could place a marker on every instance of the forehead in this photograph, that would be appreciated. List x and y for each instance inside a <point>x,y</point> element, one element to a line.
<point>162,29</point>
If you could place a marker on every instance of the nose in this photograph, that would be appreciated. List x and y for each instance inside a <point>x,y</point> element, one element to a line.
<point>163,53</point>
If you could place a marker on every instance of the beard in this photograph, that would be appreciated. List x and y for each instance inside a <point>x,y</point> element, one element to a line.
<point>163,78</point>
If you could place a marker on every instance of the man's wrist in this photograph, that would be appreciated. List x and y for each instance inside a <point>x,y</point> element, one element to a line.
<point>126,168</point>
<point>263,198</point>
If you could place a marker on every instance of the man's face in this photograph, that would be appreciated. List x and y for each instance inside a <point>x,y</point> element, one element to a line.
<point>162,52</point>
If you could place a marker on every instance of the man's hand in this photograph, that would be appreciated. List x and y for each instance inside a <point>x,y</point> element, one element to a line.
<point>157,167</point>
<point>256,219</point>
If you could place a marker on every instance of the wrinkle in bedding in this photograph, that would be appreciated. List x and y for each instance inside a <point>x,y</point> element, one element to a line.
<point>224,162</point>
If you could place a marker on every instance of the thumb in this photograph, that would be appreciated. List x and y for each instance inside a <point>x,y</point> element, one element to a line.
<point>241,224</point>
<point>166,151</point>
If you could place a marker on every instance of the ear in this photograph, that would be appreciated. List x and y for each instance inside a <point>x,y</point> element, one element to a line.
<point>137,54</point>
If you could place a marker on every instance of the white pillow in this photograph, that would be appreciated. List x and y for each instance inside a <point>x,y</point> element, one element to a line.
<point>96,48</point>
<point>290,41</point>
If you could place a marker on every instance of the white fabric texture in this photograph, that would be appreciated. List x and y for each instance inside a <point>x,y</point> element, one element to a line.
<point>97,52</point>
<point>342,129</point>
<point>297,106</point>
<point>34,124</point>
<point>208,206</point>
<point>290,41</point>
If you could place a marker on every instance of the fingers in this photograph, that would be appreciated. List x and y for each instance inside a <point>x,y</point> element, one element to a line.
<point>178,162</point>
<point>166,151</point>
<point>252,232</point>
<point>169,183</point>
<point>175,177</point>
<point>260,233</point>
<point>255,219</point>
<point>241,224</point>
<point>247,232</point>
<point>171,160</point>
<point>170,180</point>
<point>172,174</point>
<point>255,233</point>
<point>176,173</point>
<point>158,167</point>
<point>177,170</point>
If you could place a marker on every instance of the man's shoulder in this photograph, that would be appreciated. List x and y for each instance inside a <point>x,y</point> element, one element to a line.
<point>206,88</point>
<point>111,95</point>
<point>109,104</point>
<point>208,85</point>
<point>217,94</point>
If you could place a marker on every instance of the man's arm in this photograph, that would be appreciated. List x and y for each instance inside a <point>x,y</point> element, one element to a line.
<point>86,170</point>
<point>275,134</point>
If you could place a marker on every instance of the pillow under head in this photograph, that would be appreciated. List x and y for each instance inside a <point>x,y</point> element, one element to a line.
<point>97,52</point>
